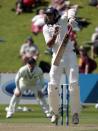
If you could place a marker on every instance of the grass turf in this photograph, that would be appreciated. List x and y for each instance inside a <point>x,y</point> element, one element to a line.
<point>88,115</point>
<point>25,117</point>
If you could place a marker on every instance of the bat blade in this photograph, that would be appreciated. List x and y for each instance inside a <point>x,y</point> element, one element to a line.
<point>61,48</point>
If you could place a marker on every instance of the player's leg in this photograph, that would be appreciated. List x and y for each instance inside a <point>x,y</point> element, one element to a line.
<point>72,74</point>
<point>53,91</point>
<point>75,102</point>
<point>15,99</point>
<point>43,103</point>
<point>41,100</point>
<point>53,99</point>
<point>13,102</point>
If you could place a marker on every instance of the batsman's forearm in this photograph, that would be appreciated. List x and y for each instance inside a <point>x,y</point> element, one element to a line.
<point>66,38</point>
<point>51,42</point>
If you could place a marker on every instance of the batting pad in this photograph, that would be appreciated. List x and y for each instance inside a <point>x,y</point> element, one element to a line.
<point>74,97</point>
<point>53,98</point>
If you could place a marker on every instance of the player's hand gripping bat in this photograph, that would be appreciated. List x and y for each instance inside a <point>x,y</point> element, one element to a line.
<point>61,48</point>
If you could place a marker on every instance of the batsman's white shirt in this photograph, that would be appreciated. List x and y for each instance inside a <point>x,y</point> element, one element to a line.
<point>48,31</point>
<point>26,79</point>
<point>68,61</point>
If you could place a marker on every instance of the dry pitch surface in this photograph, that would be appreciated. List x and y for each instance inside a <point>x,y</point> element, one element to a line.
<point>41,127</point>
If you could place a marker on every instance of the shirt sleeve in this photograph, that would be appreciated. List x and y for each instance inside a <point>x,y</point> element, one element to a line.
<point>17,78</point>
<point>22,49</point>
<point>46,34</point>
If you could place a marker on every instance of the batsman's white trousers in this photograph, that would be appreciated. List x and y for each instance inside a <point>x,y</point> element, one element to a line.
<point>68,66</point>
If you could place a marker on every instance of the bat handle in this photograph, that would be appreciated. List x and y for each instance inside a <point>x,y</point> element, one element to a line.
<point>69,30</point>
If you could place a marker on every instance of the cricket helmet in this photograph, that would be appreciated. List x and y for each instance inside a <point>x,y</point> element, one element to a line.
<point>51,11</point>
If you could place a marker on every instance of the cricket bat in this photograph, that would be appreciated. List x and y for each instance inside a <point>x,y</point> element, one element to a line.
<point>62,47</point>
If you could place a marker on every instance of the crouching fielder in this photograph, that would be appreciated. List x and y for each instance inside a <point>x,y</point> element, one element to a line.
<point>29,76</point>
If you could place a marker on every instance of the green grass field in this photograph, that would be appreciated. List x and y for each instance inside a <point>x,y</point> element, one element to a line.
<point>25,117</point>
<point>88,115</point>
<point>88,120</point>
<point>15,29</point>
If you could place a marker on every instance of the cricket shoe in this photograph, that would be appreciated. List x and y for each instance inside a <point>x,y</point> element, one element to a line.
<point>75,118</point>
<point>54,119</point>
<point>9,115</point>
<point>48,114</point>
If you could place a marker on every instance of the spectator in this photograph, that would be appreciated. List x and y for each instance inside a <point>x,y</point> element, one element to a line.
<point>38,2</point>
<point>86,64</point>
<point>19,7</point>
<point>29,49</point>
<point>28,5</point>
<point>93,2</point>
<point>63,6</point>
<point>24,6</point>
<point>60,5</point>
<point>74,41</point>
<point>38,21</point>
<point>94,40</point>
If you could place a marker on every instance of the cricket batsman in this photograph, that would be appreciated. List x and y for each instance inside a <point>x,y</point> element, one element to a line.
<point>29,76</point>
<point>54,30</point>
